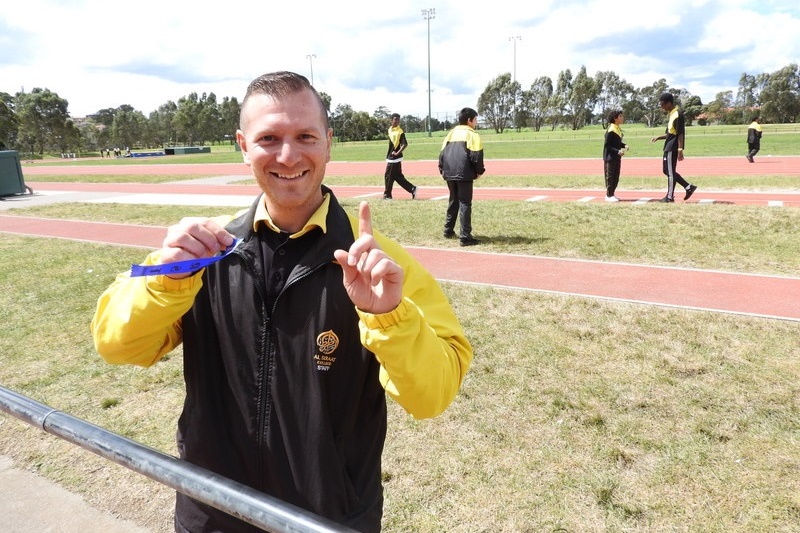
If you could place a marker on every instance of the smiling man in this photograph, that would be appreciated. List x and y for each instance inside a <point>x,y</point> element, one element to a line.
<point>292,339</point>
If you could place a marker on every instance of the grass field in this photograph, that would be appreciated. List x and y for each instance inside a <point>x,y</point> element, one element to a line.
<point>578,415</point>
<point>779,139</point>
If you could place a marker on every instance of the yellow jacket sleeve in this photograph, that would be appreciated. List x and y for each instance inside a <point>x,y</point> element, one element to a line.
<point>421,346</point>
<point>138,320</point>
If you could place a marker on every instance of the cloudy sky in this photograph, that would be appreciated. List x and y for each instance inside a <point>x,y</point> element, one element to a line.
<point>104,53</point>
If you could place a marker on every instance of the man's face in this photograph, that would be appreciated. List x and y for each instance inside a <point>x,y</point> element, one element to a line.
<point>395,121</point>
<point>287,146</point>
<point>666,106</point>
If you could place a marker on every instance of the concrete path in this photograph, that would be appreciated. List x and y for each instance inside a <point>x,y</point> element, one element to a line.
<point>33,504</point>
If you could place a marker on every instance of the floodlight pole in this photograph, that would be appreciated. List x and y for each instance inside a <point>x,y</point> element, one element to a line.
<point>311,64</point>
<point>429,14</point>
<point>515,39</point>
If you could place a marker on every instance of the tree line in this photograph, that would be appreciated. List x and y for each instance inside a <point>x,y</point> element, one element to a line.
<point>575,101</point>
<point>39,122</point>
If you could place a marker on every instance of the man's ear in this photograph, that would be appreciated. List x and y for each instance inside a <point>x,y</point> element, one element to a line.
<point>242,142</point>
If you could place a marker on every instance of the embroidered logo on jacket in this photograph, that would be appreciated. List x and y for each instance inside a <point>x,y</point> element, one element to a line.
<point>327,342</point>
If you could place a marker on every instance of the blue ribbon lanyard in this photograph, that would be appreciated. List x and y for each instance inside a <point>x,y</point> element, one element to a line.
<point>182,267</point>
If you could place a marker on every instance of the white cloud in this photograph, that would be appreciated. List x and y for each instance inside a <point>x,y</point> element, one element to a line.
<point>99,54</point>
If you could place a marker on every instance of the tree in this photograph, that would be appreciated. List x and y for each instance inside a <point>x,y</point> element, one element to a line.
<point>187,119</point>
<point>326,101</point>
<point>496,103</point>
<point>229,111</point>
<point>781,95</point>
<point>8,121</point>
<point>128,126</point>
<point>341,122</point>
<point>43,118</point>
<point>648,99</point>
<point>382,114</point>
<point>160,129</point>
<point>413,124</point>
<point>693,107</point>
<point>721,108</point>
<point>209,126</point>
<point>559,102</point>
<point>104,116</point>
<point>581,98</point>
<point>612,93</point>
<point>68,139</point>
<point>90,134</point>
<point>747,96</point>
<point>537,101</point>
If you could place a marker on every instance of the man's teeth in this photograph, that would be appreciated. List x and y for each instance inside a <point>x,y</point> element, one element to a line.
<point>290,176</point>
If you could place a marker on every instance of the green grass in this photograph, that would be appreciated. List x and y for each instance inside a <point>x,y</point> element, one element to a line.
<point>113,178</point>
<point>577,414</point>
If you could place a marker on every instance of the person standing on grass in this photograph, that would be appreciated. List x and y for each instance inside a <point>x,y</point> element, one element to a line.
<point>394,161</point>
<point>674,139</point>
<point>613,150</point>
<point>291,340</point>
<point>460,164</point>
<point>754,132</point>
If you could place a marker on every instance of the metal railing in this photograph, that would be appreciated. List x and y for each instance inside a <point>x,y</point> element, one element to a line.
<point>236,499</point>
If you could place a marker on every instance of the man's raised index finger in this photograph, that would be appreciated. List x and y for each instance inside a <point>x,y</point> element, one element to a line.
<point>364,219</point>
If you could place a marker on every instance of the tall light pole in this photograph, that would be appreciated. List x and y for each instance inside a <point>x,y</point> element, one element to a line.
<point>311,64</point>
<point>429,14</point>
<point>515,39</point>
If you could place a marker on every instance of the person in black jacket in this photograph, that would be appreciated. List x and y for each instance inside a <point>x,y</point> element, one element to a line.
<point>613,150</point>
<point>293,339</point>
<point>460,164</point>
<point>674,141</point>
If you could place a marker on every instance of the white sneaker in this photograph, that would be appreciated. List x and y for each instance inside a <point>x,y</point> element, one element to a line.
<point>612,199</point>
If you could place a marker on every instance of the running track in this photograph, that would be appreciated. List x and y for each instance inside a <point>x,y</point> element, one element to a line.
<point>739,293</point>
<point>631,166</point>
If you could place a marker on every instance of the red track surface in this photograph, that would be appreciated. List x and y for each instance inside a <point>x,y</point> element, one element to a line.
<point>768,296</point>
<point>786,199</point>
<point>632,166</point>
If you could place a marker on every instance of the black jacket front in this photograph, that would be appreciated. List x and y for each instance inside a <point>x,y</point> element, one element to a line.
<point>282,396</point>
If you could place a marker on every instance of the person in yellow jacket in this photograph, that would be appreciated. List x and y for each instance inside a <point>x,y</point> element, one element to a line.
<point>294,336</point>
<point>754,132</point>
<point>394,161</point>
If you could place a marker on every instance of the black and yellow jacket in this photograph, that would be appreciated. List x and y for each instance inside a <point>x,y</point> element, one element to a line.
<point>613,146</point>
<point>285,388</point>
<point>676,127</point>
<point>461,158</point>
<point>397,143</point>
<point>754,132</point>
